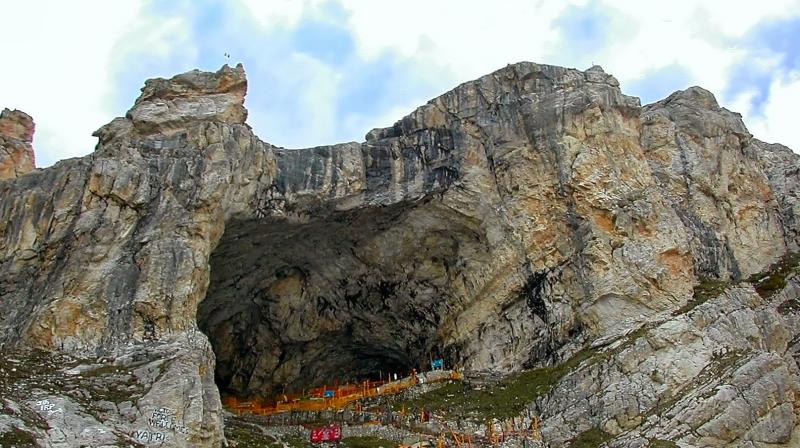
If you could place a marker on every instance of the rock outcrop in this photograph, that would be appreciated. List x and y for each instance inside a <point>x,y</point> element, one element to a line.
<point>16,138</point>
<point>503,225</point>
<point>701,156</point>
<point>721,374</point>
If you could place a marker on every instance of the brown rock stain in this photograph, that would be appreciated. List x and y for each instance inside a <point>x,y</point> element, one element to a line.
<point>674,261</point>
<point>604,219</point>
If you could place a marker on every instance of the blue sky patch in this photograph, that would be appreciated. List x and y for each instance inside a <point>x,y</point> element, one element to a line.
<point>585,29</point>
<point>778,41</point>
<point>307,84</point>
<point>329,43</point>
<point>659,84</point>
<point>780,38</point>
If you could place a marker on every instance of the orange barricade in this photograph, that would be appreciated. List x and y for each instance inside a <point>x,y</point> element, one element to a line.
<point>326,397</point>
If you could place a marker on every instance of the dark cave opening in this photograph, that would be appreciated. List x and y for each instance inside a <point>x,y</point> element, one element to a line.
<point>293,305</point>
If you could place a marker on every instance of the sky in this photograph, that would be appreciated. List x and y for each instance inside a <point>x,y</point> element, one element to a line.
<point>328,71</point>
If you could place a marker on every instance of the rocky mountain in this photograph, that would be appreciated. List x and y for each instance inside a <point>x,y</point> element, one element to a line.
<point>521,220</point>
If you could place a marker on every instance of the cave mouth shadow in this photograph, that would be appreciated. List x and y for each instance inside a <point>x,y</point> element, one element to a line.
<point>297,305</point>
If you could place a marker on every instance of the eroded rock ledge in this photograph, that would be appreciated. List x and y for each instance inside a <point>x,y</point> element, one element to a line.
<point>503,225</point>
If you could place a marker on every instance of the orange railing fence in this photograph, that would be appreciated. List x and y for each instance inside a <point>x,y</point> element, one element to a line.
<point>333,397</point>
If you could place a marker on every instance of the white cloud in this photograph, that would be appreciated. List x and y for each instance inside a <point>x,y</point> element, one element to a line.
<point>743,103</point>
<point>697,37</point>
<point>778,121</point>
<point>736,18</point>
<point>156,38</point>
<point>470,38</point>
<point>465,39</point>
<point>55,68</point>
<point>315,88</point>
<point>279,12</point>
<point>61,58</point>
<point>694,35</point>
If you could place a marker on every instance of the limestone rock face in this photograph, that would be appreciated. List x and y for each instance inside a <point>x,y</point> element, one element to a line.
<point>524,194</point>
<point>502,225</point>
<point>721,374</point>
<point>16,137</point>
<point>190,98</point>
<point>783,173</point>
<point>700,154</point>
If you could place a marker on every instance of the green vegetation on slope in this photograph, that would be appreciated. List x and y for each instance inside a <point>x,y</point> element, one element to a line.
<point>243,435</point>
<point>297,442</point>
<point>505,399</point>
<point>707,289</point>
<point>592,438</point>
<point>38,369</point>
<point>766,283</point>
<point>659,443</point>
<point>774,278</point>
<point>368,442</point>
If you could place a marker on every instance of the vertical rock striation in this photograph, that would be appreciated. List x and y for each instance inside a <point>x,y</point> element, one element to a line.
<point>503,225</point>
<point>702,157</point>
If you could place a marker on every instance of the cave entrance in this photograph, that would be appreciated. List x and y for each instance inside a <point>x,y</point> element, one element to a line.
<point>305,304</point>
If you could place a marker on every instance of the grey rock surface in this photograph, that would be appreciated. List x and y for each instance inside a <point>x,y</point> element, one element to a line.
<point>721,374</point>
<point>502,225</point>
<point>701,156</point>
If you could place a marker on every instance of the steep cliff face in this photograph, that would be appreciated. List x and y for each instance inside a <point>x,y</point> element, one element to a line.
<point>478,204</point>
<point>702,157</point>
<point>503,225</point>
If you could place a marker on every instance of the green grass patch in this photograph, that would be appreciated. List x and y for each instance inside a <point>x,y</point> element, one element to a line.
<point>593,438</point>
<point>298,442</point>
<point>503,400</point>
<point>437,399</point>
<point>766,283</point>
<point>243,435</point>
<point>630,339</point>
<point>774,278</point>
<point>660,443</point>
<point>368,442</point>
<point>707,289</point>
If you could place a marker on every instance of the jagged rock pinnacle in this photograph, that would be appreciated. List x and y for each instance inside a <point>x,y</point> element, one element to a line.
<point>166,105</point>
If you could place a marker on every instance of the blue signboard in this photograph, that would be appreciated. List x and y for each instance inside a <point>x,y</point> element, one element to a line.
<point>329,393</point>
